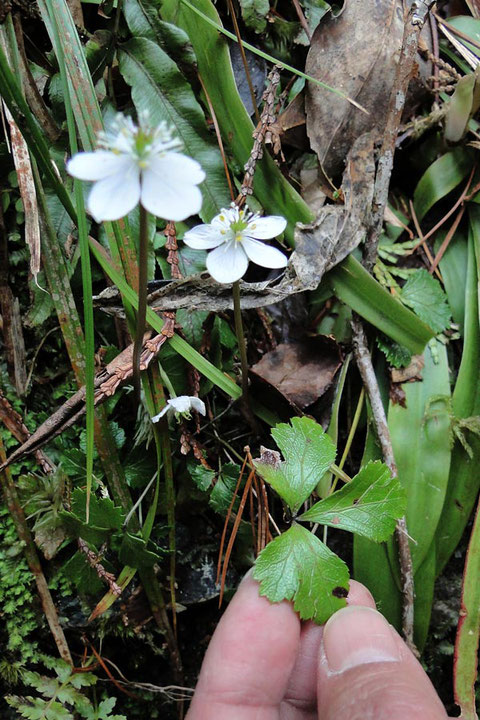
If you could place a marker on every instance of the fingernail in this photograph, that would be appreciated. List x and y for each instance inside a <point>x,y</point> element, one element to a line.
<point>358,635</point>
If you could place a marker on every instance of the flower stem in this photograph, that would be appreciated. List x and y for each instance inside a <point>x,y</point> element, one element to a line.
<point>237,313</point>
<point>142,299</point>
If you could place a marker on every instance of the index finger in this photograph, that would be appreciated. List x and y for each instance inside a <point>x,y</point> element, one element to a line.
<point>248,663</point>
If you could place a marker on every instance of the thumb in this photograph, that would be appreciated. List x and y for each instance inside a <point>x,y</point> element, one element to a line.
<point>366,672</point>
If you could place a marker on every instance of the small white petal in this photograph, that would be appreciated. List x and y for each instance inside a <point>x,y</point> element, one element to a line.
<point>115,196</point>
<point>182,168</point>
<point>267,227</point>
<point>228,263</point>
<point>198,405</point>
<point>97,165</point>
<point>166,196</point>
<point>203,237</point>
<point>264,255</point>
<point>181,404</point>
<point>163,412</point>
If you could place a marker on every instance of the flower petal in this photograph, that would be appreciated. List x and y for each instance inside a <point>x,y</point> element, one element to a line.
<point>163,412</point>
<point>115,196</point>
<point>198,405</point>
<point>167,193</point>
<point>180,404</point>
<point>97,165</point>
<point>181,168</point>
<point>228,263</point>
<point>203,237</point>
<point>264,255</point>
<point>265,228</point>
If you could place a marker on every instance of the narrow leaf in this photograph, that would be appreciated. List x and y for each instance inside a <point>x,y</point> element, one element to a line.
<point>440,178</point>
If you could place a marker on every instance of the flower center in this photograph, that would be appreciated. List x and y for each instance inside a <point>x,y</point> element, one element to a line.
<point>142,142</point>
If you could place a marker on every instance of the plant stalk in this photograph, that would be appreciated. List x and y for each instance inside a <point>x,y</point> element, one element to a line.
<point>242,346</point>
<point>142,298</point>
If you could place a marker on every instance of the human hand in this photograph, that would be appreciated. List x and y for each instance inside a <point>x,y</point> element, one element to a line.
<point>263,664</point>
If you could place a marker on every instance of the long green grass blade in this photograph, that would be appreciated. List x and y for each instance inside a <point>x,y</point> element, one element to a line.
<point>466,644</point>
<point>464,481</point>
<point>85,265</point>
<point>357,288</point>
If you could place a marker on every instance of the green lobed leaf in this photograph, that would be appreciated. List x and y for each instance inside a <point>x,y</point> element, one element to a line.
<point>160,88</point>
<point>397,355</point>
<point>201,476</point>
<point>254,13</point>
<point>424,295</point>
<point>298,566</point>
<point>368,505</point>
<point>135,552</point>
<point>222,492</point>
<point>308,453</point>
<point>104,517</point>
<point>84,577</point>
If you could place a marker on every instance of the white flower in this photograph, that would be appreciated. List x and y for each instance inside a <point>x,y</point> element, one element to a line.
<point>235,235</point>
<point>181,405</point>
<point>139,164</point>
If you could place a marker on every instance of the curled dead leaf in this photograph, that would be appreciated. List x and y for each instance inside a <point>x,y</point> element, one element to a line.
<point>356,52</point>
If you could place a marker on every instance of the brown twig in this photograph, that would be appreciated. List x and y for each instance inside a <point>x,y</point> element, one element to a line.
<point>405,68</point>
<point>219,137</point>
<point>302,19</point>
<point>244,59</point>
<point>365,367</point>
<point>32,94</point>
<point>29,549</point>
<point>443,247</point>
<point>106,384</point>
<point>263,132</point>
<point>422,240</point>
<point>94,560</point>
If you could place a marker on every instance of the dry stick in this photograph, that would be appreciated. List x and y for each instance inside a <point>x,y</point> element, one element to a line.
<point>267,119</point>
<point>405,69</point>
<point>443,247</point>
<point>302,19</point>
<point>422,240</point>
<point>365,366</point>
<point>94,560</point>
<point>32,94</point>
<point>244,59</point>
<point>29,549</point>
<point>218,136</point>
<point>142,299</point>
<point>406,64</point>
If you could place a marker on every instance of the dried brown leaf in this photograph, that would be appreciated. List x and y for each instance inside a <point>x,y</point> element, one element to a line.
<point>356,52</point>
<point>28,194</point>
<point>302,371</point>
